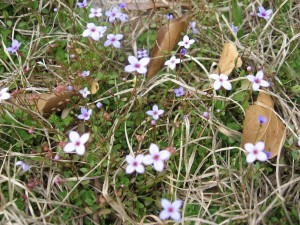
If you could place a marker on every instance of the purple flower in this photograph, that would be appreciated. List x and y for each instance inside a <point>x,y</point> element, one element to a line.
<point>142,53</point>
<point>269,154</point>
<point>193,27</point>
<point>114,40</point>
<point>186,42</point>
<point>95,13</point>
<point>170,209</point>
<point>24,166</point>
<point>122,5</point>
<point>82,4</point>
<point>256,152</point>
<point>70,88</point>
<point>14,46</point>
<point>262,120</point>
<point>221,80</point>
<point>234,29</point>
<point>171,63</point>
<point>84,92</point>
<point>169,16</point>
<point>93,31</point>
<point>113,14</point>
<point>179,92</point>
<point>206,115</point>
<point>183,51</point>
<point>123,17</point>
<point>155,112</point>
<point>258,80</point>
<point>264,13</point>
<point>85,114</point>
<point>99,105</point>
<point>156,157</point>
<point>137,65</point>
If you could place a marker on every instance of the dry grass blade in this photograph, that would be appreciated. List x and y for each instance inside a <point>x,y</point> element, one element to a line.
<point>166,39</point>
<point>272,132</point>
<point>149,4</point>
<point>229,59</point>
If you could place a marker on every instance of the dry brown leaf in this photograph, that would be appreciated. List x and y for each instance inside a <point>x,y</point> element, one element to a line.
<point>166,39</point>
<point>273,133</point>
<point>150,4</point>
<point>94,87</point>
<point>229,59</point>
<point>47,103</point>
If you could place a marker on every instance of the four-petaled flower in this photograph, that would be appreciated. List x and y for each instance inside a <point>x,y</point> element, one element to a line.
<point>169,16</point>
<point>142,53</point>
<point>256,152</point>
<point>179,92</point>
<point>155,112</point>
<point>85,92</point>
<point>114,40</point>
<point>93,31</point>
<point>137,65</point>
<point>264,13</point>
<point>135,164</point>
<point>113,14</point>
<point>220,80</point>
<point>4,95</point>
<point>171,63</point>
<point>123,17</point>
<point>122,5</point>
<point>24,166</point>
<point>170,209</point>
<point>85,114</point>
<point>95,12</point>
<point>85,73</point>
<point>76,143</point>
<point>156,157</point>
<point>14,46</point>
<point>258,80</point>
<point>82,4</point>
<point>186,42</point>
<point>262,120</point>
<point>192,25</point>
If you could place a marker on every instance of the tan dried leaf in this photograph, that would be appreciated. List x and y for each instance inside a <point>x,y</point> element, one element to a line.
<point>273,133</point>
<point>166,39</point>
<point>229,59</point>
<point>94,86</point>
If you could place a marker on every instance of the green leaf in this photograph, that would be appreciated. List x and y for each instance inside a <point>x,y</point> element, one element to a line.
<point>236,13</point>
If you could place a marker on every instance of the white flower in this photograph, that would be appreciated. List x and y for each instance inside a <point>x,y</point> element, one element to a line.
<point>155,112</point>
<point>93,31</point>
<point>258,80</point>
<point>256,152</point>
<point>264,13</point>
<point>85,92</point>
<point>95,12</point>
<point>85,114</point>
<point>170,209</point>
<point>156,157</point>
<point>114,40</point>
<point>135,164</point>
<point>77,143</point>
<point>4,95</point>
<point>220,80</point>
<point>113,14</point>
<point>137,65</point>
<point>14,46</point>
<point>186,42</point>
<point>25,167</point>
<point>172,62</point>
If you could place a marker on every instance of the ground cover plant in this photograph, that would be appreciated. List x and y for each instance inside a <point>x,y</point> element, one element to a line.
<point>149,112</point>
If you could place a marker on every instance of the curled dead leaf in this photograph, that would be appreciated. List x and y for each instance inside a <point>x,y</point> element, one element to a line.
<point>166,39</point>
<point>273,132</point>
<point>94,86</point>
<point>229,59</point>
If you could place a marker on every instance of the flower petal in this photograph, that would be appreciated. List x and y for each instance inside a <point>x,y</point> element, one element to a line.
<point>255,86</point>
<point>249,147</point>
<point>74,136</point>
<point>163,215</point>
<point>250,158</point>
<point>164,154</point>
<point>140,168</point>
<point>139,158</point>
<point>227,85</point>
<point>153,149</point>
<point>86,33</point>
<point>165,203</point>
<point>19,163</point>
<point>260,75</point>
<point>95,36</point>
<point>175,216</point>
<point>155,107</point>
<point>132,60</point>
<point>262,156</point>
<point>80,150</point>
<point>70,147</point>
<point>149,112</point>
<point>107,43</point>
<point>130,169</point>
<point>264,83</point>
<point>84,138</point>
<point>260,146</point>
<point>144,61</point>
<point>159,165</point>
<point>177,204</point>
<point>217,85</point>
<point>117,44</point>
<point>251,78</point>
<point>148,160</point>
<point>214,76</point>
<point>129,68</point>
<point>129,159</point>
<point>142,70</point>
